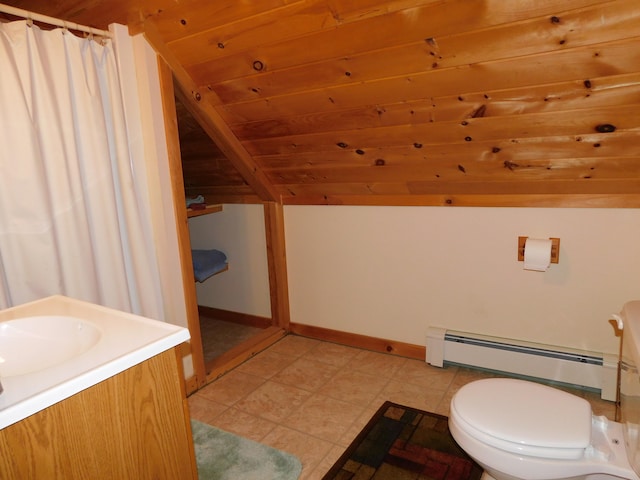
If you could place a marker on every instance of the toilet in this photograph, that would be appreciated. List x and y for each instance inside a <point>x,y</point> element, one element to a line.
<point>522,430</point>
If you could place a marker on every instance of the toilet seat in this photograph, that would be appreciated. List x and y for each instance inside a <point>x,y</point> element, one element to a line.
<point>524,417</point>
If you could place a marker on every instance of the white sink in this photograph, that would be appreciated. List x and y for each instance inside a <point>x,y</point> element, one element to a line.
<point>56,347</point>
<point>32,344</point>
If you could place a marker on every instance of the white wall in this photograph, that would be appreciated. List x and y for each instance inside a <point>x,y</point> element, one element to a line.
<point>391,272</point>
<point>239,232</point>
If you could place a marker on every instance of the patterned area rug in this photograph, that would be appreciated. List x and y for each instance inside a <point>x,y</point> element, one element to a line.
<point>402,443</point>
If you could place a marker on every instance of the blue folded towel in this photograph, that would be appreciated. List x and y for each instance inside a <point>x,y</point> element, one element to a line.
<point>198,199</point>
<point>207,263</point>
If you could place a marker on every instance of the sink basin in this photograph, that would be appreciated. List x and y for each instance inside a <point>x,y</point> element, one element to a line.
<point>32,344</point>
<point>55,347</point>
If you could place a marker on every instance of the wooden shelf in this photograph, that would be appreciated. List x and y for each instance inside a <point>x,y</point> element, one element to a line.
<point>207,210</point>
<point>223,270</point>
<point>219,271</point>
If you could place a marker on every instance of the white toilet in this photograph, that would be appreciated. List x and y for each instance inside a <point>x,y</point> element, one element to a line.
<point>521,430</point>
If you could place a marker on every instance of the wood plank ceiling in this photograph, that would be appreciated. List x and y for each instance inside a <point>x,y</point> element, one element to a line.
<point>493,102</point>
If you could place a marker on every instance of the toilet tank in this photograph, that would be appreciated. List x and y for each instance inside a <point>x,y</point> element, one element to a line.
<point>630,382</point>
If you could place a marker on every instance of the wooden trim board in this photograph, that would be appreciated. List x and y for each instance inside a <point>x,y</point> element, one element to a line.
<point>235,317</point>
<point>243,352</point>
<point>361,341</point>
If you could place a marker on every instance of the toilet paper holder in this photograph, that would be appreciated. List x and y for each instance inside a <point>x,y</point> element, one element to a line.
<point>555,249</point>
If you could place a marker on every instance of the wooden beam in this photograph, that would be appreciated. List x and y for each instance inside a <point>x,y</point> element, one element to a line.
<point>277,258</point>
<point>184,242</point>
<point>559,200</point>
<point>200,105</point>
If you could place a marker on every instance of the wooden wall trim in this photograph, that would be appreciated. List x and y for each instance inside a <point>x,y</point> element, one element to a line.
<point>392,347</point>
<point>182,225</point>
<point>235,317</point>
<point>604,200</point>
<point>243,352</point>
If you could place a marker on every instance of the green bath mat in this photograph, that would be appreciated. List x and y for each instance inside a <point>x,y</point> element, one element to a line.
<point>222,455</point>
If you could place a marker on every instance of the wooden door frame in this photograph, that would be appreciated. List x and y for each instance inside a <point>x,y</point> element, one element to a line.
<point>276,256</point>
<point>194,346</point>
<point>278,294</point>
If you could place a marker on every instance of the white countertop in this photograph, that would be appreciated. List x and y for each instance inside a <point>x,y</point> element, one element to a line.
<point>126,340</point>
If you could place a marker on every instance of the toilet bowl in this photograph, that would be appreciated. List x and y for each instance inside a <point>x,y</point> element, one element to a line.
<point>521,430</point>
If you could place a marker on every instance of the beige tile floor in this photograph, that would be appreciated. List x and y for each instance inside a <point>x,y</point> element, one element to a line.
<point>311,398</point>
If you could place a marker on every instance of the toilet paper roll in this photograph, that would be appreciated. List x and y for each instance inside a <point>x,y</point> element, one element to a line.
<point>537,254</point>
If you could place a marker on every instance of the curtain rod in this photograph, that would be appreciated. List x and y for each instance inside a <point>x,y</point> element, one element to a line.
<point>18,12</point>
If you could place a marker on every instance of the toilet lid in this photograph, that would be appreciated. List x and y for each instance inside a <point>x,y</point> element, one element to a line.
<point>524,417</point>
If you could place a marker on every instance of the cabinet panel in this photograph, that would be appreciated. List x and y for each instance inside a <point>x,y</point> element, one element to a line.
<point>131,426</point>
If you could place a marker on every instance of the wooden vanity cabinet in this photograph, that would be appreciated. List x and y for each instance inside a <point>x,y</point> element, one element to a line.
<point>134,425</point>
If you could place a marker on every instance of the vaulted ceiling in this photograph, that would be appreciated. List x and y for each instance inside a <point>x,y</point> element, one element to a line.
<point>479,102</point>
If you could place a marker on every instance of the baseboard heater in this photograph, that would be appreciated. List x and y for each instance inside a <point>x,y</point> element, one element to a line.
<point>586,369</point>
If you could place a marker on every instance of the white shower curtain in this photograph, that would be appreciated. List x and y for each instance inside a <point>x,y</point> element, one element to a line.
<point>72,219</point>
